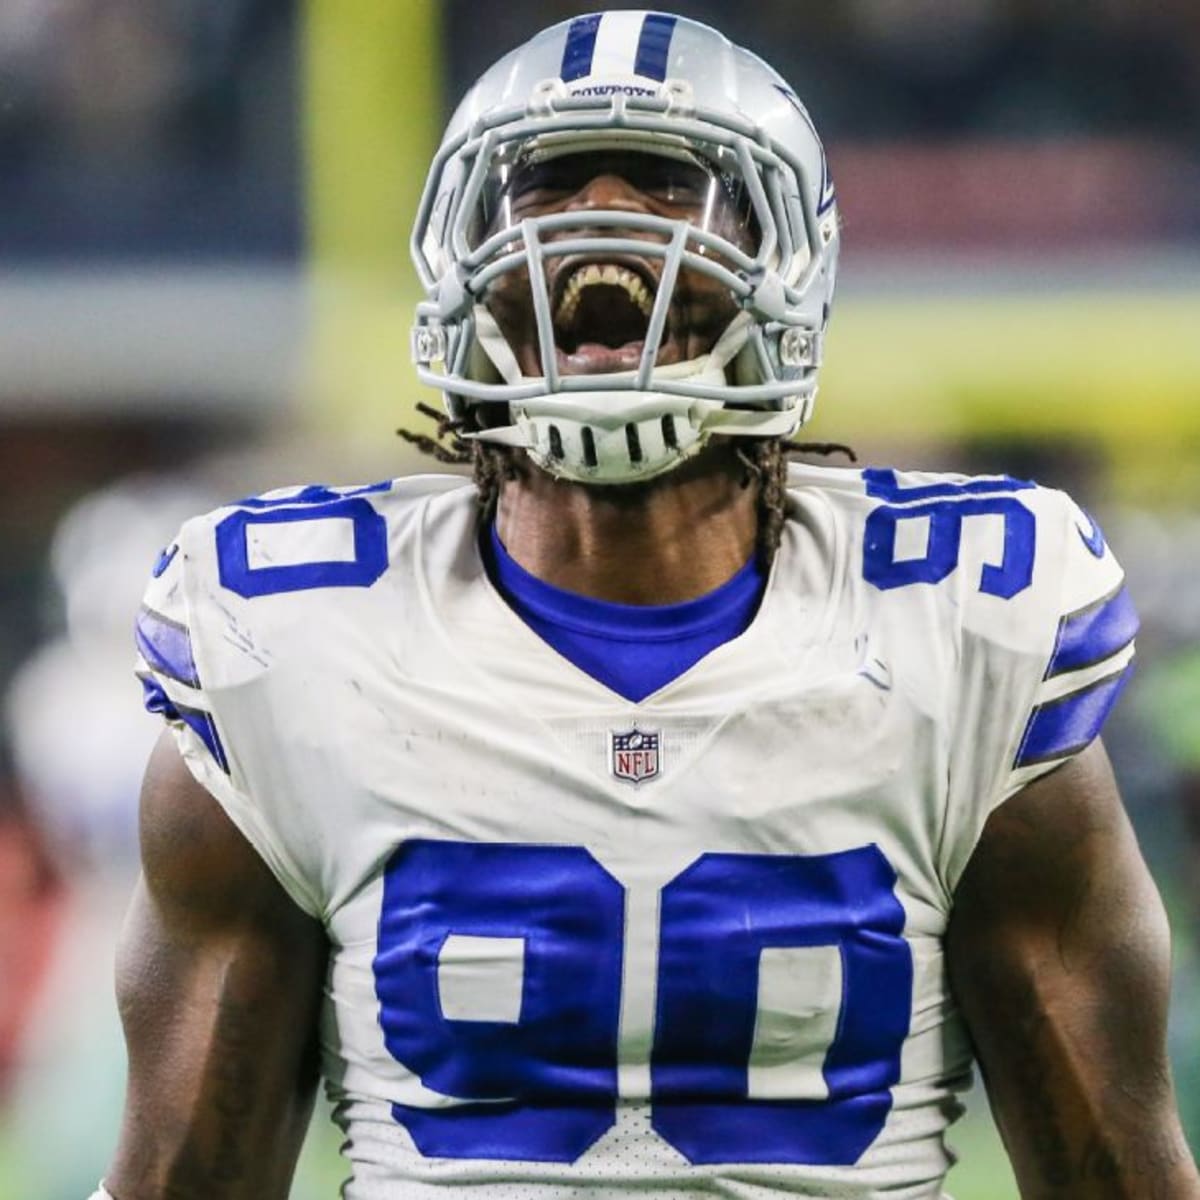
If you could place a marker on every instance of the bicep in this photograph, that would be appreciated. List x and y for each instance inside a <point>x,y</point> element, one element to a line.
<point>1059,957</point>
<point>219,980</point>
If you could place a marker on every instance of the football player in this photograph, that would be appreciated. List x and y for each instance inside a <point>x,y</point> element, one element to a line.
<point>651,817</point>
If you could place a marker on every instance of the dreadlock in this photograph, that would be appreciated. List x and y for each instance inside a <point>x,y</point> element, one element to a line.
<point>490,465</point>
<point>764,461</point>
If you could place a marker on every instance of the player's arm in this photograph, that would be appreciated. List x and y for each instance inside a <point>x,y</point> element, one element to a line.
<point>1059,956</point>
<point>219,978</point>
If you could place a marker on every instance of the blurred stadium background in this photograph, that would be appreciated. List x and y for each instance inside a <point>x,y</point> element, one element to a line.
<point>205,292</point>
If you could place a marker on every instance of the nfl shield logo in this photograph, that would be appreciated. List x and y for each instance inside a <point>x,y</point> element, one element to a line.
<point>633,756</point>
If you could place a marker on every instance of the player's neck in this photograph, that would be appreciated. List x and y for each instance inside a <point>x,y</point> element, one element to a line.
<point>671,540</point>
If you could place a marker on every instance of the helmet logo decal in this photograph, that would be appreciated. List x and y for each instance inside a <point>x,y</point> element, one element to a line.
<point>618,43</point>
<point>827,192</point>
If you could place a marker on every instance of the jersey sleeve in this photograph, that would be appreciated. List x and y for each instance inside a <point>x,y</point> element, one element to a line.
<point>1090,658</point>
<point>175,665</point>
<point>166,666</point>
<point>1039,672</point>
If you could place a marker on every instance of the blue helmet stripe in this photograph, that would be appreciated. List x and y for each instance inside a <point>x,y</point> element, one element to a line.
<point>654,46</point>
<point>581,45</point>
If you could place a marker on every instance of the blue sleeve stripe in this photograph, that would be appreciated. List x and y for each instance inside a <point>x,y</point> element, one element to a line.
<point>201,724</point>
<point>166,645</point>
<point>654,45</point>
<point>581,45</point>
<point>155,698</point>
<point>1065,726</point>
<point>1092,634</point>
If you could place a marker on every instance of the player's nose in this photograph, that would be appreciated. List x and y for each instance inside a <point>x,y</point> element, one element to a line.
<point>608,191</point>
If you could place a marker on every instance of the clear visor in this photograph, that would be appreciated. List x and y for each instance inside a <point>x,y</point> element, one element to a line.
<point>672,183</point>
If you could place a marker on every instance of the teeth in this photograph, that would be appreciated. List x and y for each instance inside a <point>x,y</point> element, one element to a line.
<point>609,274</point>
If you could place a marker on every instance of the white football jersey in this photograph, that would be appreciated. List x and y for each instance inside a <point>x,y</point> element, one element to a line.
<point>583,947</point>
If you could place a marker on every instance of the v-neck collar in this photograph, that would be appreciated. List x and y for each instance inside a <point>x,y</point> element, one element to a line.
<point>480,629</point>
<point>533,597</point>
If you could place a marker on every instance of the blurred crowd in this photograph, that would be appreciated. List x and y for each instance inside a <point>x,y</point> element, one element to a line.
<point>166,131</point>
<point>130,128</point>
<point>874,69</point>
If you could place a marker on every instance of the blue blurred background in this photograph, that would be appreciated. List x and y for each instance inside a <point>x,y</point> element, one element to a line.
<point>204,292</point>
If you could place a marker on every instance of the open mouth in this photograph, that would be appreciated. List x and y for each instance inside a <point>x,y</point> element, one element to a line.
<point>600,311</point>
<point>601,316</point>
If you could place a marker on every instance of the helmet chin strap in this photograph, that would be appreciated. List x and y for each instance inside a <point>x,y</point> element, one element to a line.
<point>625,436</point>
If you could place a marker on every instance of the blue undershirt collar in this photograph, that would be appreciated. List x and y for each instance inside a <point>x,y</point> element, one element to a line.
<point>633,649</point>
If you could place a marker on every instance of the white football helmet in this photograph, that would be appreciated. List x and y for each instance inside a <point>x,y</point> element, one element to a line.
<point>627,83</point>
